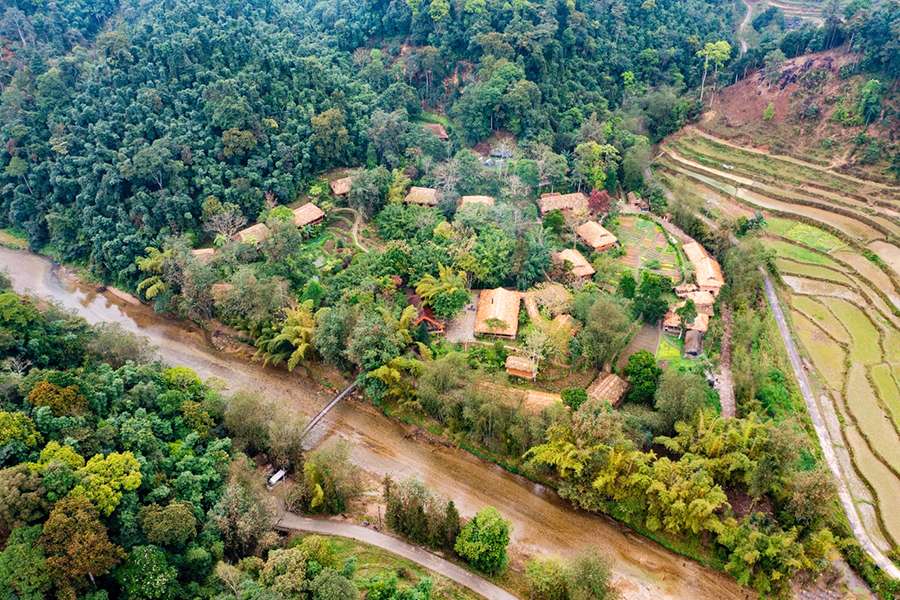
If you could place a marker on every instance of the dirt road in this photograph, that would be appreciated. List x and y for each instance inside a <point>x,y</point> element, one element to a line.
<point>420,556</point>
<point>825,441</point>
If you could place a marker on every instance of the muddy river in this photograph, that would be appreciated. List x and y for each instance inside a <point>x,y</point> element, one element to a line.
<point>542,522</point>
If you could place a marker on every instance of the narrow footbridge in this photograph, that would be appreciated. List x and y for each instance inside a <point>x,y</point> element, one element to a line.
<point>321,415</point>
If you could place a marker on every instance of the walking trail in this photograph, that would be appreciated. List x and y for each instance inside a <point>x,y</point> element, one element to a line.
<point>292,522</point>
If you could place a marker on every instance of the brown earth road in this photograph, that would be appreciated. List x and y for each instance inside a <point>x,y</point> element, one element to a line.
<point>479,585</point>
<point>542,523</point>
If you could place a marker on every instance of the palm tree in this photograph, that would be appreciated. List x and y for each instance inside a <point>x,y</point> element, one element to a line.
<point>446,293</point>
<point>292,340</point>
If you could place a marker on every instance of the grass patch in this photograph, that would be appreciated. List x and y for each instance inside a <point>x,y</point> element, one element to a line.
<point>887,390</point>
<point>793,252</point>
<point>827,356</point>
<point>822,317</point>
<point>805,234</point>
<point>789,267</point>
<point>433,117</point>
<point>13,239</point>
<point>372,561</point>
<point>866,347</point>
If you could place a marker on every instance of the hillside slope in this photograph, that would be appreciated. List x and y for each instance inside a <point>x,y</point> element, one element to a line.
<point>814,105</point>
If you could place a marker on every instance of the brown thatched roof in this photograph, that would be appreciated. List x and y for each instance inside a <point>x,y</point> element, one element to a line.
<point>437,129</point>
<point>707,271</point>
<point>673,321</point>
<point>596,236</point>
<point>684,289</point>
<point>499,307</point>
<point>468,200</point>
<point>576,202</point>
<point>609,387</point>
<point>703,301</point>
<point>580,266</point>
<point>340,187</point>
<point>307,214</point>
<point>693,343</point>
<point>521,366</point>
<point>422,195</point>
<point>204,255</point>
<point>254,233</point>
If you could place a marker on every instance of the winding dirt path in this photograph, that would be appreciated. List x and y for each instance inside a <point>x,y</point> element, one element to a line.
<point>743,27</point>
<point>479,585</point>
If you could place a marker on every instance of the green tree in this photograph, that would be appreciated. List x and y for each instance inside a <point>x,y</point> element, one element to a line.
<point>605,332</point>
<point>147,575</point>
<point>649,300</point>
<point>105,478</point>
<point>687,312</point>
<point>589,577</point>
<point>483,541</point>
<point>290,340</point>
<point>77,544</point>
<point>643,376</point>
<point>546,579</point>
<point>447,293</point>
<point>173,525</point>
<point>870,99</point>
<point>680,396</point>
<point>23,566</point>
<point>717,52</point>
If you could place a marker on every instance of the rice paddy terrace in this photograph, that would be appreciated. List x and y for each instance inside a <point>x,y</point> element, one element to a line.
<point>836,242</point>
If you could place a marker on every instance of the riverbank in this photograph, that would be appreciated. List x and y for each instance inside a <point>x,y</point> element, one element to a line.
<point>543,524</point>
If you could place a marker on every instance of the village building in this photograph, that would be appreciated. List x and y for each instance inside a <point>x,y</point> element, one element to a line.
<point>498,313</point>
<point>707,271</point>
<point>693,343</point>
<point>672,322</point>
<point>520,366</point>
<point>308,214</point>
<point>341,187</point>
<point>422,195</point>
<point>596,236</point>
<point>579,265</point>
<point>204,255</point>
<point>425,315</point>
<point>704,302</point>
<point>438,130</point>
<point>575,202</point>
<point>253,234</point>
<point>684,289</point>
<point>608,387</point>
<point>470,200</point>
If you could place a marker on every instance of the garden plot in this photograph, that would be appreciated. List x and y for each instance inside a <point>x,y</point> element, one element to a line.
<point>646,247</point>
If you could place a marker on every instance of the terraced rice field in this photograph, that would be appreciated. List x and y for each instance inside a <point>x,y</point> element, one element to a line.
<point>646,247</point>
<point>836,241</point>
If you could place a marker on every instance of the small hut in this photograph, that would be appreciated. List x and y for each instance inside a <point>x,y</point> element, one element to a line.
<point>520,366</point>
<point>438,130</point>
<point>470,200</point>
<point>574,202</point>
<point>253,234</point>
<point>498,313</point>
<point>609,387</point>
<point>204,255</point>
<point>596,236</point>
<point>341,187</point>
<point>693,343</point>
<point>580,267</point>
<point>422,195</point>
<point>308,214</point>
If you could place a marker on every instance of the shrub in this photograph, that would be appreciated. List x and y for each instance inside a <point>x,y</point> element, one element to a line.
<point>483,541</point>
<point>574,397</point>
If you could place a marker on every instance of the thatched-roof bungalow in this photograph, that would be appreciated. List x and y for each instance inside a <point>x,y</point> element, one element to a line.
<point>574,202</point>
<point>469,200</point>
<point>693,343</point>
<point>596,236</point>
<point>579,264</point>
<point>520,366</point>
<point>707,271</point>
<point>253,234</point>
<point>308,214</point>
<point>498,313</point>
<point>609,387</point>
<point>204,255</point>
<point>341,187</point>
<point>438,130</point>
<point>422,195</point>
